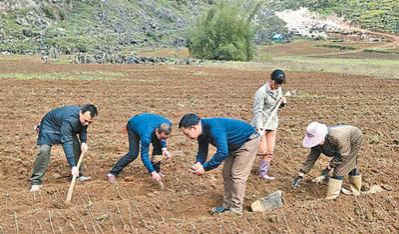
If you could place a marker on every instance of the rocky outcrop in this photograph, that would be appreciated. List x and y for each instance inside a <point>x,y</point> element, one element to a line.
<point>304,23</point>
<point>103,58</point>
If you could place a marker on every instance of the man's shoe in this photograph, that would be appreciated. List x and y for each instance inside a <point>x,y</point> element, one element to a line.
<point>219,210</point>
<point>266,177</point>
<point>83,178</point>
<point>236,212</point>
<point>35,188</point>
<point>111,178</point>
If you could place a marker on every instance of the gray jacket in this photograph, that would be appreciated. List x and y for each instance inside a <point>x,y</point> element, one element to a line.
<point>264,101</point>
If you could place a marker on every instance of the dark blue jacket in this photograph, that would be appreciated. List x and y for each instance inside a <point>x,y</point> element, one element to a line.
<point>60,126</point>
<point>144,126</point>
<point>226,134</point>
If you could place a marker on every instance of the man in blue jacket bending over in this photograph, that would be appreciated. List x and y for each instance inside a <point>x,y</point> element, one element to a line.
<point>236,143</point>
<point>144,129</point>
<point>62,126</point>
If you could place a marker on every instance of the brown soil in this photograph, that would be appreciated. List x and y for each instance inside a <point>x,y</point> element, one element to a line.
<point>137,205</point>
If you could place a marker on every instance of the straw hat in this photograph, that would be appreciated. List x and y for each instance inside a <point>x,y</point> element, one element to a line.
<point>315,133</point>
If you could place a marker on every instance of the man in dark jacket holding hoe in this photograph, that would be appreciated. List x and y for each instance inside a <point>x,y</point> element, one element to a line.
<point>62,126</point>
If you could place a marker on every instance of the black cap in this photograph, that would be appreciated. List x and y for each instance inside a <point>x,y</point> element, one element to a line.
<point>278,76</point>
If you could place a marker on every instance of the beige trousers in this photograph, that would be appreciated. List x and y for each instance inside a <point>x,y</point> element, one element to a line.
<point>236,170</point>
<point>266,145</point>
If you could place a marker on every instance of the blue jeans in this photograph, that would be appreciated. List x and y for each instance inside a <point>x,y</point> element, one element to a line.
<point>134,148</point>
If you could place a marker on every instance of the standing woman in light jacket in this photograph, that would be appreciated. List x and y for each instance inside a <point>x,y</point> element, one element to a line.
<point>265,101</point>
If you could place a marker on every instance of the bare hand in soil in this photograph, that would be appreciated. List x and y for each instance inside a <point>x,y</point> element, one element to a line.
<point>155,176</point>
<point>166,153</point>
<point>198,169</point>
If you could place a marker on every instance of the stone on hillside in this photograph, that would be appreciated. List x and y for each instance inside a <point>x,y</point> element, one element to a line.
<point>268,203</point>
<point>27,33</point>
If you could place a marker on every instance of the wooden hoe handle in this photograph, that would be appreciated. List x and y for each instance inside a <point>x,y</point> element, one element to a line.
<point>71,187</point>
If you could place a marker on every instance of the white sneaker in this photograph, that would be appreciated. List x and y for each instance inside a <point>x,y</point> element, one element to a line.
<point>266,177</point>
<point>35,188</point>
<point>83,178</point>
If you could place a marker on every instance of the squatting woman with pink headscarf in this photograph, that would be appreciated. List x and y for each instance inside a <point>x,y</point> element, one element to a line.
<point>341,143</point>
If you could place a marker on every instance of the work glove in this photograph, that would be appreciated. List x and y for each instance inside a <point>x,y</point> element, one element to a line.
<point>296,181</point>
<point>336,161</point>
<point>156,176</point>
<point>166,153</point>
<point>283,102</point>
<point>84,147</point>
<point>75,171</point>
<point>323,176</point>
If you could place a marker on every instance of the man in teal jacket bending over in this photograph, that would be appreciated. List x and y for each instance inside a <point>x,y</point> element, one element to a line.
<point>236,143</point>
<point>145,129</point>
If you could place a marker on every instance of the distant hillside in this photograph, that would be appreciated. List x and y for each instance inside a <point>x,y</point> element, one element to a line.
<point>70,26</point>
<point>80,26</point>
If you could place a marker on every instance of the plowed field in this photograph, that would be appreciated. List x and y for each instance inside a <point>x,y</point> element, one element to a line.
<point>136,204</point>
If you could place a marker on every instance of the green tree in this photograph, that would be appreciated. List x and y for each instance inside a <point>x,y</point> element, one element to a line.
<point>224,32</point>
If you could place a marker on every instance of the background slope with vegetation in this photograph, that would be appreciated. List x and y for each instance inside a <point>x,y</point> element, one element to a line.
<point>71,26</point>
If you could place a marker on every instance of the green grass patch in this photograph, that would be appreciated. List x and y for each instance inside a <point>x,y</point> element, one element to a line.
<point>338,47</point>
<point>82,75</point>
<point>380,51</point>
<point>384,69</point>
<point>61,61</point>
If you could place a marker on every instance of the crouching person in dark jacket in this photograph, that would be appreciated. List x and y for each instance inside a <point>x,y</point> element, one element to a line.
<point>66,126</point>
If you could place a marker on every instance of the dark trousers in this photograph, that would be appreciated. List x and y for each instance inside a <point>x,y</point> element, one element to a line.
<point>43,159</point>
<point>134,148</point>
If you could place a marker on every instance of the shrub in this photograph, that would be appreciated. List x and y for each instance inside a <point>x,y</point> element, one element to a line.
<point>223,33</point>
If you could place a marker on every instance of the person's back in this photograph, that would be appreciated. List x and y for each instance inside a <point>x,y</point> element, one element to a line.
<point>343,134</point>
<point>236,131</point>
<point>55,117</point>
<point>55,123</point>
<point>145,123</point>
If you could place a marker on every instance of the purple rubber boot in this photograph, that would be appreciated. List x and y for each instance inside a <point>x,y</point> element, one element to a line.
<point>263,169</point>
